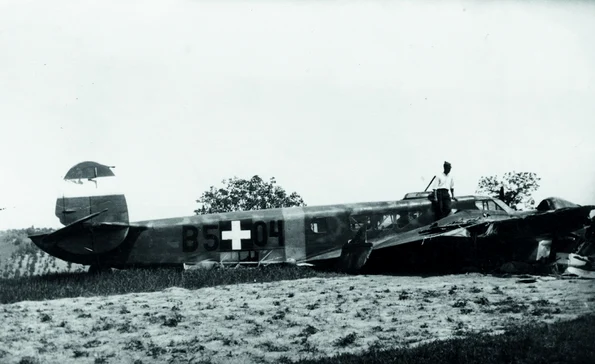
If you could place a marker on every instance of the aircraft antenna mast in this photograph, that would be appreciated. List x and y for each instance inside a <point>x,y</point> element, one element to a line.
<point>429,184</point>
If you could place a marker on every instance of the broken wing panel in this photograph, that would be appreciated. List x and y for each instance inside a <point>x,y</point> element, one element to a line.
<point>460,230</point>
<point>563,220</point>
<point>560,221</point>
<point>543,223</point>
<point>460,225</point>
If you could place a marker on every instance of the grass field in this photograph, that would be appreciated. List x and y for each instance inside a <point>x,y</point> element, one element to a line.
<point>82,284</point>
<point>292,314</point>
<point>570,342</point>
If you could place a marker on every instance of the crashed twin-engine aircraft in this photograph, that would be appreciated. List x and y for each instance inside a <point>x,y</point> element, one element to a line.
<point>481,231</point>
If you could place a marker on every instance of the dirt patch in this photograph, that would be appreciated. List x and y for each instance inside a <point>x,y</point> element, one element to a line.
<point>297,319</point>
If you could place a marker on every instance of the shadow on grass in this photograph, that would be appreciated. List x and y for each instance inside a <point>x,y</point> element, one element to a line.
<point>63,285</point>
<point>564,342</point>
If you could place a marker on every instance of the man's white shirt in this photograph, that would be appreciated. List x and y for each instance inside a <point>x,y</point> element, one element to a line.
<point>444,181</point>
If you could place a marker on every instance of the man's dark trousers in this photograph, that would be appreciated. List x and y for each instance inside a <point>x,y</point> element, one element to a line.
<point>443,203</point>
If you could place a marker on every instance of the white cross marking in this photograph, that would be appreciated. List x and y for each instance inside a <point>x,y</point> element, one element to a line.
<point>236,235</point>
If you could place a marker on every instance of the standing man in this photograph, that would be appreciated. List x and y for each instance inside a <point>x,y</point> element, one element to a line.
<point>443,185</point>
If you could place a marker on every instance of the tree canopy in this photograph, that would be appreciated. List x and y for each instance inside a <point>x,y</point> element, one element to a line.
<point>246,194</point>
<point>518,187</point>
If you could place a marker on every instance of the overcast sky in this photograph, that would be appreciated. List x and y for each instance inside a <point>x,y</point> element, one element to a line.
<point>341,101</point>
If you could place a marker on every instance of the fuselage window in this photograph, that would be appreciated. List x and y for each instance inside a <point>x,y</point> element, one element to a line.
<point>383,222</point>
<point>319,226</point>
<point>488,205</point>
<point>388,221</point>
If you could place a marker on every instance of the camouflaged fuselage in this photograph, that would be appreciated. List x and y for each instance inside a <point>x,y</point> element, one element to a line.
<point>98,232</point>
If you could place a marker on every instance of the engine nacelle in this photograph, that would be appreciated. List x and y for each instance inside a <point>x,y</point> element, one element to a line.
<point>554,203</point>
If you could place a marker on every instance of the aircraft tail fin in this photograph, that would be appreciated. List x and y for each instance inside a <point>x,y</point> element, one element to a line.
<point>94,212</point>
<point>90,189</point>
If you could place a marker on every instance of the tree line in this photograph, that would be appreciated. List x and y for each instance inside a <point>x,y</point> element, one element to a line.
<point>239,194</point>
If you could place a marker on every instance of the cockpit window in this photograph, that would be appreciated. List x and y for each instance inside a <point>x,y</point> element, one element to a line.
<point>488,205</point>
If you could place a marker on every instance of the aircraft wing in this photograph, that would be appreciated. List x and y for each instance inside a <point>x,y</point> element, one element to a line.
<point>531,224</point>
<point>543,223</point>
<point>460,228</point>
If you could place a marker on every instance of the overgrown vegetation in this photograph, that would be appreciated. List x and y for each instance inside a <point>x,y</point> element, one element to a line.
<point>564,342</point>
<point>518,188</point>
<point>62,285</point>
<point>246,194</point>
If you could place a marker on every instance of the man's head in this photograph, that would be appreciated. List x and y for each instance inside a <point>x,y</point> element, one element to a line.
<point>447,167</point>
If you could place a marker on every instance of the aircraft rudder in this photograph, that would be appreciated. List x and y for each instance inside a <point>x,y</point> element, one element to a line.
<point>90,187</point>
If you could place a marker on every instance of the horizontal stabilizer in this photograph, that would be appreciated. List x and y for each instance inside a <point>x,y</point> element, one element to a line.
<point>85,237</point>
<point>37,238</point>
<point>117,225</point>
<point>76,225</point>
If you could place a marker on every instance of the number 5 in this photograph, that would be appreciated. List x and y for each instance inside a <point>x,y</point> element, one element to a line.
<point>209,236</point>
